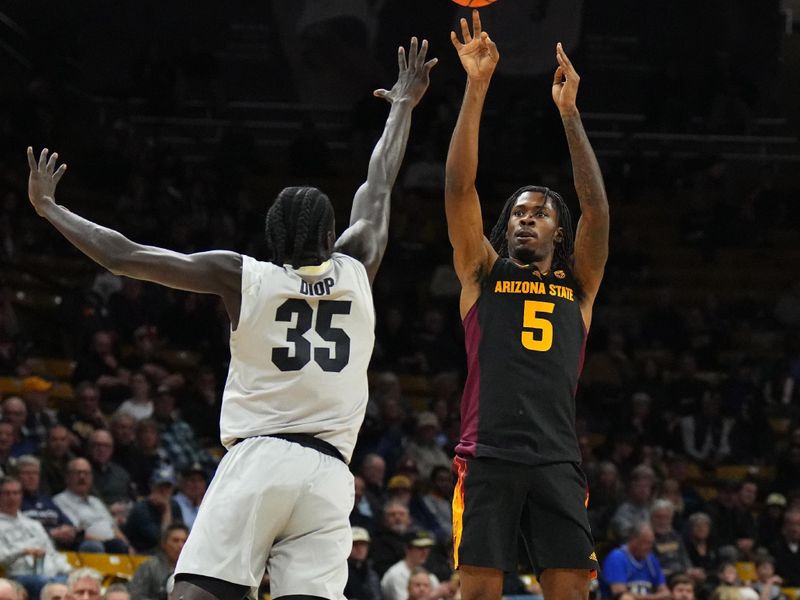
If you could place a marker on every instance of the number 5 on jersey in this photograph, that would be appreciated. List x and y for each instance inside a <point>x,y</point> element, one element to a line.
<point>322,325</point>
<point>530,320</point>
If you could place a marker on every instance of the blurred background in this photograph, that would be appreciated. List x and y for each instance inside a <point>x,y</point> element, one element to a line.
<point>181,121</point>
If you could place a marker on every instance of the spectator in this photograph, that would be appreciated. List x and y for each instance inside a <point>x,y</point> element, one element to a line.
<point>117,591</point>
<point>746,524</point>
<point>770,521</point>
<point>177,436</point>
<point>787,475</point>
<point>26,552</point>
<point>768,584</point>
<point>606,494</point>
<point>373,470</point>
<point>702,553</point>
<point>787,549</point>
<point>668,546</point>
<point>123,430</point>
<point>706,436</point>
<point>681,587</point>
<point>140,404</point>
<point>40,507</point>
<point>670,490</point>
<point>727,575</point>
<point>423,447</point>
<point>150,580</point>
<point>678,470</point>
<point>16,413</point>
<point>438,500</point>
<point>56,455</point>
<point>148,455</point>
<point>362,580</point>
<point>111,482</point>
<point>420,584</point>
<point>102,367</point>
<point>193,485</point>
<point>636,508</point>
<point>362,515</point>
<point>153,515</point>
<point>634,568</point>
<point>7,436</point>
<point>723,513</point>
<point>390,541</point>
<point>87,416</point>
<point>84,584</point>
<point>36,393</point>
<point>399,490</point>
<point>88,513</point>
<point>53,591</point>
<point>202,406</point>
<point>394,583</point>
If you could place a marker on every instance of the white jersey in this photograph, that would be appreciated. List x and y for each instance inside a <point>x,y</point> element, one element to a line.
<point>300,353</point>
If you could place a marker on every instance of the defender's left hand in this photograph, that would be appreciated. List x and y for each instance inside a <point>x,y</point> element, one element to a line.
<point>565,84</point>
<point>413,77</point>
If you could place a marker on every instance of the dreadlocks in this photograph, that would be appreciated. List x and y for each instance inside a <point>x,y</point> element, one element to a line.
<point>562,254</point>
<point>297,225</point>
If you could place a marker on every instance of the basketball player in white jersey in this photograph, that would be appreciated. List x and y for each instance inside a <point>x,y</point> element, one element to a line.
<point>302,335</point>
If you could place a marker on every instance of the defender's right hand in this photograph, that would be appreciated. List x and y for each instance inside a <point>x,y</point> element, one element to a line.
<point>478,53</point>
<point>43,179</point>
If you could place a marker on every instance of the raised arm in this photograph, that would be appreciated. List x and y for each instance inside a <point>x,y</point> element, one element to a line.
<point>473,255</point>
<point>591,238</point>
<point>366,237</point>
<point>216,272</point>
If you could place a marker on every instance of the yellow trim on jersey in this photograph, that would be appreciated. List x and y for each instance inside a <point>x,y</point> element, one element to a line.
<point>458,508</point>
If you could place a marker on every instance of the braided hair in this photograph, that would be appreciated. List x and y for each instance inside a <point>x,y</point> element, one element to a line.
<point>563,250</point>
<point>297,226</point>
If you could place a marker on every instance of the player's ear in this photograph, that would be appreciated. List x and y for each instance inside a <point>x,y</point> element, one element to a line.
<point>559,236</point>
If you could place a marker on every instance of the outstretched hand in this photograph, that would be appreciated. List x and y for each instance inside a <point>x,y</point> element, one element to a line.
<point>43,179</point>
<point>478,53</point>
<point>413,77</point>
<point>565,83</point>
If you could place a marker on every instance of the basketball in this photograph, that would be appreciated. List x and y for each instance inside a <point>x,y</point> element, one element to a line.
<point>474,3</point>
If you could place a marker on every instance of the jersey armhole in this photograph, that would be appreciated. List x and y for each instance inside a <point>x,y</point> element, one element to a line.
<point>251,284</point>
<point>363,282</point>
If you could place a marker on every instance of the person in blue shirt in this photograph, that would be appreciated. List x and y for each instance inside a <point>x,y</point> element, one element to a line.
<point>634,568</point>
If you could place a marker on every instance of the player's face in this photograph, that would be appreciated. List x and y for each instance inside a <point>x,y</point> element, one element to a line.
<point>532,228</point>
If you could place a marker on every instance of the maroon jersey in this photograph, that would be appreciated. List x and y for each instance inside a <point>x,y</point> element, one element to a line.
<point>525,340</point>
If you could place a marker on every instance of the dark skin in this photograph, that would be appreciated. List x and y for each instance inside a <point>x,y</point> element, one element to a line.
<point>473,255</point>
<point>219,271</point>
<point>532,234</point>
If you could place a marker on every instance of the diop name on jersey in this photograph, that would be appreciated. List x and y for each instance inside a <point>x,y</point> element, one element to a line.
<point>319,288</point>
<point>534,287</point>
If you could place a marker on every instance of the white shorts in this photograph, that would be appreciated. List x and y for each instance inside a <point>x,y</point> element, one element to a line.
<point>279,504</point>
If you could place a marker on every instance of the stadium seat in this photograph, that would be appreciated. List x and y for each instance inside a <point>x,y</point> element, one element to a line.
<point>138,559</point>
<point>113,567</point>
<point>73,559</point>
<point>62,391</point>
<point>735,472</point>
<point>52,368</point>
<point>791,593</point>
<point>10,385</point>
<point>746,571</point>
